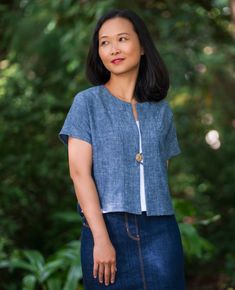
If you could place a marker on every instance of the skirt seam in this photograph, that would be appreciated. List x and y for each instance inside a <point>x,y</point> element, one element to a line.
<point>141,257</point>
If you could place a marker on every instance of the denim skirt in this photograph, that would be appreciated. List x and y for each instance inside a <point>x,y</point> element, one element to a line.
<point>149,254</point>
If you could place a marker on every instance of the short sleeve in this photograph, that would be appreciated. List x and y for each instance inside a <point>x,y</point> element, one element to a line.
<point>76,123</point>
<point>171,142</point>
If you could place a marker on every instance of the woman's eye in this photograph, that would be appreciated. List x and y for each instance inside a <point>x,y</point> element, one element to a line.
<point>103,42</point>
<point>123,38</point>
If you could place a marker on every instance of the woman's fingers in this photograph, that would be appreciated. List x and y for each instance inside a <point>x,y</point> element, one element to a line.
<point>107,273</point>
<point>95,270</point>
<point>113,272</point>
<point>101,272</point>
<point>104,263</point>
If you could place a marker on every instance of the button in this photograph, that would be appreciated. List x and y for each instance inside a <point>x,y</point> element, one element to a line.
<point>139,157</point>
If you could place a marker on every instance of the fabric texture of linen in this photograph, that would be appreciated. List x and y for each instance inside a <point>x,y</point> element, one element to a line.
<point>108,124</point>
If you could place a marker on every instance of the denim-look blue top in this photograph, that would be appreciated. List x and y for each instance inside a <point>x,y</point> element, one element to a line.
<point>107,122</point>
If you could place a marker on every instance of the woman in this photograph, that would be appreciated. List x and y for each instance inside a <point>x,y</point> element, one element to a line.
<point>120,135</point>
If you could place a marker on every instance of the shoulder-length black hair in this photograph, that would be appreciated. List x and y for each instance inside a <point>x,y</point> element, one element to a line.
<point>153,79</point>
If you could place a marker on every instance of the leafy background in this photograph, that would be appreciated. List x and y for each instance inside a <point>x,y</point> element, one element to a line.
<point>43,47</point>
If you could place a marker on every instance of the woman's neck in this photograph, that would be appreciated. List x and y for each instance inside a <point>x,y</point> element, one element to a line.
<point>123,91</point>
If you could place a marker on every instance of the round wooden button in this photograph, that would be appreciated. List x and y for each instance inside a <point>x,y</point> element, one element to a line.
<point>139,157</point>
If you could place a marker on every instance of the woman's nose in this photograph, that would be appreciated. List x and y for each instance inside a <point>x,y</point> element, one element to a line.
<point>114,48</point>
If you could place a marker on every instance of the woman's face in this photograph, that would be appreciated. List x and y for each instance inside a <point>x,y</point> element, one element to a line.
<point>117,39</point>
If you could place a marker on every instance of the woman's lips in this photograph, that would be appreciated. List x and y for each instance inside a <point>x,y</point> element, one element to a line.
<point>117,61</point>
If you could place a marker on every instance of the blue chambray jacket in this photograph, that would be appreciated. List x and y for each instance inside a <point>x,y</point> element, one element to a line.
<point>108,123</point>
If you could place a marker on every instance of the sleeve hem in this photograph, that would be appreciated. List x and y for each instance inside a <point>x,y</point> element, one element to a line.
<point>63,137</point>
<point>173,153</point>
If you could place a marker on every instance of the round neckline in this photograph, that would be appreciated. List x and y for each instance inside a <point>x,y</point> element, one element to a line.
<point>117,100</point>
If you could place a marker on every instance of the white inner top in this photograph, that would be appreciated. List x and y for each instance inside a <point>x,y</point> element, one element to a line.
<point>142,190</point>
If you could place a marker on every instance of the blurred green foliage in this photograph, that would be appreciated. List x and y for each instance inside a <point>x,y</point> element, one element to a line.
<point>61,271</point>
<point>42,58</point>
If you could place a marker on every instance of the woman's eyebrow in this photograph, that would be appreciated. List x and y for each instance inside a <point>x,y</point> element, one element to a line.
<point>117,34</point>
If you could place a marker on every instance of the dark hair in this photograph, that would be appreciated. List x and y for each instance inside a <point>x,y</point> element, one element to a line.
<point>153,79</point>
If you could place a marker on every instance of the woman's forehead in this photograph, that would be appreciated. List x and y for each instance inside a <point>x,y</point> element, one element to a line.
<point>115,27</point>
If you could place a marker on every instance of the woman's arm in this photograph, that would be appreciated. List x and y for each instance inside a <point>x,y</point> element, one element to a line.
<point>80,164</point>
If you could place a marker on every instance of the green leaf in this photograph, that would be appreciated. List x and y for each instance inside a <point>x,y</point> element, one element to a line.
<point>29,282</point>
<point>36,260</point>
<point>4,264</point>
<point>194,245</point>
<point>21,264</point>
<point>50,268</point>
<point>54,283</point>
<point>74,274</point>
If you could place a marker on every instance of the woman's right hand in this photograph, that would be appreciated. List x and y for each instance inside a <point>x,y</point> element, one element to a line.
<point>104,261</point>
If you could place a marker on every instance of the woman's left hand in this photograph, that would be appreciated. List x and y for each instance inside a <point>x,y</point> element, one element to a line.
<point>104,261</point>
